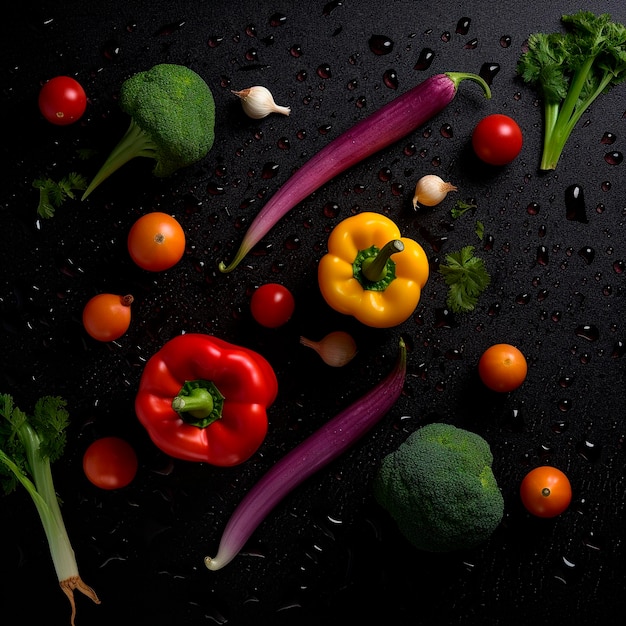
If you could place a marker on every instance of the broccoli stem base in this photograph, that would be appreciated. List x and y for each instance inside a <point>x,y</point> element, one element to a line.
<point>134,143</point>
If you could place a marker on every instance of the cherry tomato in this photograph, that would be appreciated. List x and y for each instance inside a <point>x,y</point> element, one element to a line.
<point>272,305</point>
<point>106,317</point>
<point>502,367</point>
<point>497,139</point>
<point>110,463</point>
<point>546,491</point>
<point>156,241</point>
<point>62,100</point>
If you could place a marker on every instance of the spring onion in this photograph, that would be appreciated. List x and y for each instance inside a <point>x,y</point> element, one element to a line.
<point>28,445</point>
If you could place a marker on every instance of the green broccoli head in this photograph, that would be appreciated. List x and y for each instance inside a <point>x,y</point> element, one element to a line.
<point>172,121</point>
<point>440,489</point>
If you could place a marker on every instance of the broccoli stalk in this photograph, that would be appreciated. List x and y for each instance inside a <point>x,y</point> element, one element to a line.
<point>172,121</point>
<point>572,70</point>
<point>28,446</point>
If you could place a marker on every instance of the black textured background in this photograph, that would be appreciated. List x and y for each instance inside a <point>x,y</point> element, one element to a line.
<point>327,554</point>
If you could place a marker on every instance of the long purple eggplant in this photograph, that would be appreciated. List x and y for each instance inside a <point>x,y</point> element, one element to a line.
<point>382,128</point>
<point>319,449</point>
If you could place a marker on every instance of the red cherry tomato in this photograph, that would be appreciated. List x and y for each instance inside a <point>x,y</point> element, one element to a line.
<point>502,367</point>
<point>156,241</point>
<point>272,305</point>
<point>110,463</point>
<point>106,317</point>
<point>546,491</point>
<point>62,100</point>
<point>497,139</point>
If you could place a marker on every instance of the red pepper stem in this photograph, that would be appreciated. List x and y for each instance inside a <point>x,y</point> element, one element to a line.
<point>199,403</point>
<point>375,268</point>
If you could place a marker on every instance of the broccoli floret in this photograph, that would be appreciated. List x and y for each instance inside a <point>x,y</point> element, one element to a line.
<point>172,121</point>
<point>440,489</point>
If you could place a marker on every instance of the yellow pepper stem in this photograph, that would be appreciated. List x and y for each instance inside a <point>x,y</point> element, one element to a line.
<point>375,268</point>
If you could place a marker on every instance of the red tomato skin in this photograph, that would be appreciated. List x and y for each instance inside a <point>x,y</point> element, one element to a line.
<point>272,305</point>
<point>62,100</point>
<point>156,242</point>
<point>502,367</point>
<point>546,477</point>
<point>497,139</point>
<point>110,463</point>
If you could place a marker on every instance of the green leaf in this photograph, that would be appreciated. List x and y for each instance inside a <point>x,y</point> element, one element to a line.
<point>466,277</point>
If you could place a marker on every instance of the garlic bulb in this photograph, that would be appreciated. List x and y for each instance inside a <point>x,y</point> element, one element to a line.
<point>258,102</point>
<point>431,190</point>
<point>335,349</point>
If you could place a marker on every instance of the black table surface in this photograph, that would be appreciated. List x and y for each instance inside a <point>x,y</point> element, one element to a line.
<point>327,554</point>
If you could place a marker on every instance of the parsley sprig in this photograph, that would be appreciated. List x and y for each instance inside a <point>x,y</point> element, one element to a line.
<point>466,277</point>
<point>53,194</point>
<point>571,70</point>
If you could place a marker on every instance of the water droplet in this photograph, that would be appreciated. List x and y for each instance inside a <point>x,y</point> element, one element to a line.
<point>606,185</point>
<point>446,131</point>
<point>323,71</point>
<point>425,59</point>
<point>329,7</point>
<point>614,158</point>
<point>330,209</point>
<point>522,298</point>
<point>588,332</point>
<point>445,36</point>
<point>619,349</point>
<point>168,29</point>
<point>463,25</point>
<point>575,209</point>
<point>587,254</point>
<point>505,41</point>
<point>277,19</point>
<point>214,41</point>
<point>361,102</point>
<point>384,175</point>
<point>293,242</point>
<point>488,71</point>
<point>542,255</point>
<point>283,143</point>
<point>608,138</point>
<point>380,44</point>
<point>588,450</point>
<point>472,44</point>
<point>532,208</point>
<point>390,78</point>
<point>296,51</point>
<point>251,30</point>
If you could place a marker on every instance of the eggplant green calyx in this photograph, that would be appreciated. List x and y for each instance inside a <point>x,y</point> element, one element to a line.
<point>199,403</point>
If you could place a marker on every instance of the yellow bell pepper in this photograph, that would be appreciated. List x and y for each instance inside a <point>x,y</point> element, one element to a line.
<point>371,272</point>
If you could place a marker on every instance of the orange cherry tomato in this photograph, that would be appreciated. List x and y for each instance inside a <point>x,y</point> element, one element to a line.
<point>546,491</point>
<point>106,317</point>
<point>502,367</point>
<point>156,241</point>
<point>110,463</point>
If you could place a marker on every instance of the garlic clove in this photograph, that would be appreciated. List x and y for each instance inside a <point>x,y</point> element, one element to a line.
<point>336,349</point>
<point>258,102</point>
<point>431,190</point>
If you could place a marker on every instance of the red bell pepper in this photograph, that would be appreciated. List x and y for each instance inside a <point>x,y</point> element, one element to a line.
<point>203,399</point>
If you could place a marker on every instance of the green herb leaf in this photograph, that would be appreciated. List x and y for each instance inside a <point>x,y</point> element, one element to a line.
<point>571,70</point>
<point>460,208</point>
<point>53,194</point>
<point>466,277</point>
